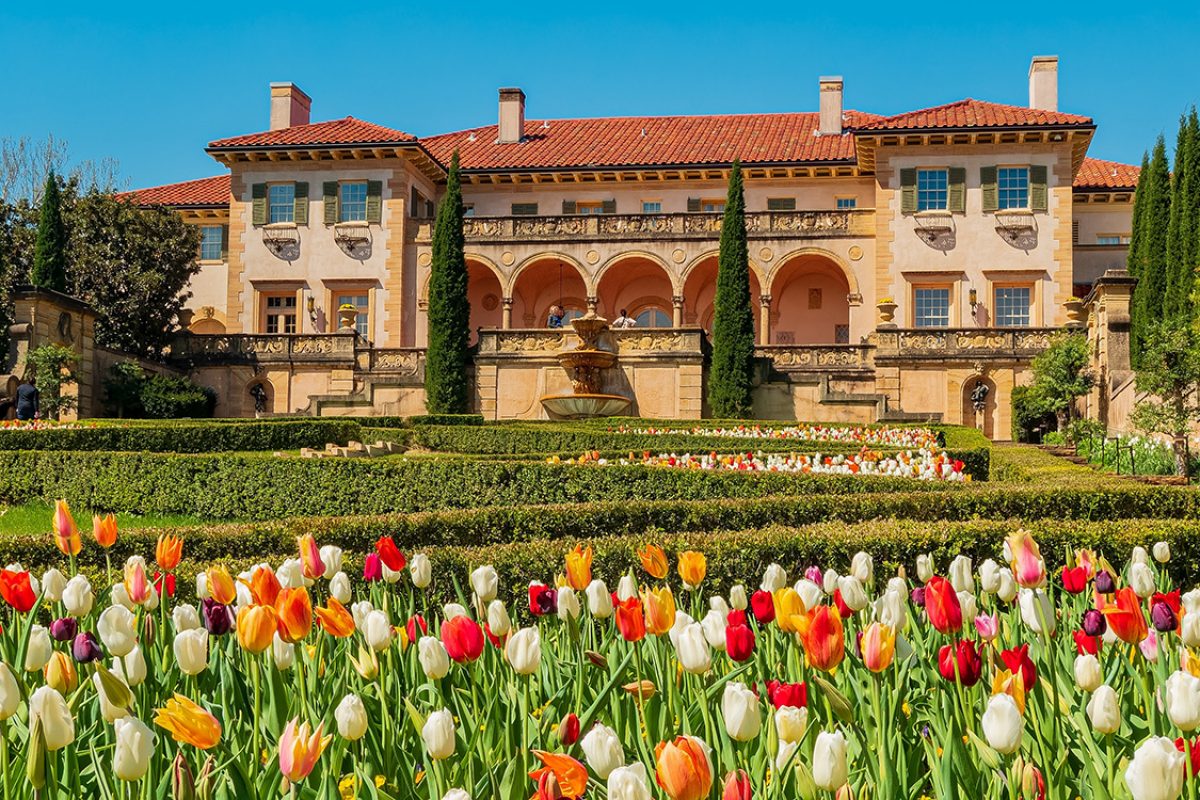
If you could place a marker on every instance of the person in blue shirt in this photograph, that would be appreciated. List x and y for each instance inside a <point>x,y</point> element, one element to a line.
<point>556,317</point>
<point>28,400</point>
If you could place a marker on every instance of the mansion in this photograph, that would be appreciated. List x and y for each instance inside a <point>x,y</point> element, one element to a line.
<point>897,262</point>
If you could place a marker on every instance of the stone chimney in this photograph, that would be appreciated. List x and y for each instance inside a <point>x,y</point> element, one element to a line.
<point>831,106</point>
<point>512,116</point>
<point>1043,83</point>
<point>290,106</point>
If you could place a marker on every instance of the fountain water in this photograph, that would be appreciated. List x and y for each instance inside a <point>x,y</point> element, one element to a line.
<point>586,364</point>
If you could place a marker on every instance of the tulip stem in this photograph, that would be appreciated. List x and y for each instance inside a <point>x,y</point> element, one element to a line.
<point>4,759</point>
<point>525,726</point>
<point>254,676</point>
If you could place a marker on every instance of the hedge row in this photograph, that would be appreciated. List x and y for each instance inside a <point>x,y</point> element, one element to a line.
<point>1029,464</point>
<point>264,487</point>
<point>188,436</point>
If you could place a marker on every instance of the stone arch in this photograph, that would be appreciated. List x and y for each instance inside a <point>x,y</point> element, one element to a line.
<point>635,282</point>
<point>673,274</point>
<point>851,278</point>
<point>553,255</point>
<point>483,261</point>
<point>543,280</point>
<point>759,273</point>
<point>810,301</point>
<point>699,290</point>
<point>986,421</point>
<point>250,398</point>
<point>208,320</point>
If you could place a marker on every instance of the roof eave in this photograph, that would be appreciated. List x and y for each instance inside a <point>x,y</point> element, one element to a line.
<point>975,128</point>
<point>281,148</point>
<point>674,166</point>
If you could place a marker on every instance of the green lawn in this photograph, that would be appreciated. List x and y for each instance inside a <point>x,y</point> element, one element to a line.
<point>35,517</point>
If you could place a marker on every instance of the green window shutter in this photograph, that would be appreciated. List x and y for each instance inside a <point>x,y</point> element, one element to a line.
<point>987,182</point>
<point>300,203</point>
<point>524,209</point>
<point>568,206</point>
<point>908,191</point>
<point>957,195</point>
<point>329,199</point>
<point>609,207</point>
<point>1038,195</point>
<point>693,205</point>
<point>375,202</point>
<point>224,242</point>
<point>258,196</point>
<point>781,204</point>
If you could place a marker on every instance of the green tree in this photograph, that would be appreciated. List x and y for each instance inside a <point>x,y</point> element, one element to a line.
<point>733,317</point>
<point>50,253</point>
<point>1169,375</point>
<point>1184,216</point>
<point>1137,218</point>
<point>449,307</point>
<point>1151,255</point>
<point>1061,375</point>
<point>52,365</point>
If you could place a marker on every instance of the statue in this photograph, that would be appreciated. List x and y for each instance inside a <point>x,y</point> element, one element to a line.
<point>979,396</point>
<point>260,398</point>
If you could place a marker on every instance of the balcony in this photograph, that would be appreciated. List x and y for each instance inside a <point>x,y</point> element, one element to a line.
<point>641,227</point>
<point>265,348</point>
<point>967,344</point>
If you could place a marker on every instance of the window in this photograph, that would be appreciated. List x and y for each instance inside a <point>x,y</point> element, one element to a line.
<point>781,204</point>
<point>1012,184</point>
<point>652,206</point>
<point>524,209</point>
<point>1112,238</point>
<point>931,307</point>
<point>211,242</point>
<point>589,207</point>
<point>712,206</point>
<point>1013,304</point>
<point>847,203</point>
<point>570,314</point>
<point>279,313</point>
<point>362,301</point>
<point>352,205</point>
<point>653,317</point>
<point>281,202</point>
<point>468,209</point>
<point>932,189</point>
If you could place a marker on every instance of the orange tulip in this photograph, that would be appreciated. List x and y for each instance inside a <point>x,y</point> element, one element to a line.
<point>104,530</point>
<point>1012,685</point>
<point>168,552</point>
<point>264,586</point>
<point>220,585</point>
<point>683,768</point>
<point>137,587</point>
<point>335,619</point>
<point>294,608</point>
<point>822,637</point>
<point>631,621</point>
<point>641,690</point>
<point>66,534</point>
<point>878,646</point>
<point>310,557</point>
<point>660,610</point>
<point>256,626</point>
<point>692,568</point>
<point>560,776</point>
<point>299,749</point>
<point>1125,617</point>
<point>579,567</point>
<point>788,606</point>
<point>654,561</point>
<point>189,723</point>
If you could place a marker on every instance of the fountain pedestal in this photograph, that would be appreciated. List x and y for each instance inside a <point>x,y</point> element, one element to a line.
<point>586,364</point>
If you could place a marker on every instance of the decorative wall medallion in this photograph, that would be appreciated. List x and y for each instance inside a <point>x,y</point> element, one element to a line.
<point>856,252</point>
<point>507,258</point>
<point>766,254</point>
<point>678,256</point>
<point>424,259</point>
<point>592,256</point>
<point>490,302</point>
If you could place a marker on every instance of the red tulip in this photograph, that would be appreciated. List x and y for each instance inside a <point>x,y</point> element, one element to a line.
<point>568,730</point>
<point>414,622</point>
<point>787,694</point>
<point>1191,749</point>
<point>736,616</point>
<point>739,642</point>
<point>631,621</point>
<point>737,786</point>
<point>17,590</point>
<point>463,638</point>
<point>965,658</point>
<point>1086,644</point>
<point>941,604</point>
<point>542,599</point>
<point>1074,580</point>
<point>1017,660</point>
<point>846,611</point>
<point>763,606</point>
<point>389,554</point>
<point>372,568</point>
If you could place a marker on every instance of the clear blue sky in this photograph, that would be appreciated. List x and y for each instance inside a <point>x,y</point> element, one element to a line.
<point>149,84</point>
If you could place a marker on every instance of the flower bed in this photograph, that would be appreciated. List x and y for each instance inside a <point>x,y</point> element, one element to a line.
<point>997,679</point>
<point>910,438</point>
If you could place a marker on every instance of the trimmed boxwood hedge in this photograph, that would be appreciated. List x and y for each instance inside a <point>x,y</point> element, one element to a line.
<point>186,436</point>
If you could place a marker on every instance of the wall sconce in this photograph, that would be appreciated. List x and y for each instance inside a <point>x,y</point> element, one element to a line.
<point>312,310</point>
<point>973,299</point>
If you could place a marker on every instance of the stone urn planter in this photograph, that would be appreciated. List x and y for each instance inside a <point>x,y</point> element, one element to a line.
<point>1074,308</point>
<point>347,317</point>
<point>887,310</point>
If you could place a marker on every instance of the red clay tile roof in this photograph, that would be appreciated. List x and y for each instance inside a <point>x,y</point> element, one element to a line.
<point>1097,174</point>
<point>975,114</point>
<point>203,192</point>
<point>339,131</point>
<point>651,141</point>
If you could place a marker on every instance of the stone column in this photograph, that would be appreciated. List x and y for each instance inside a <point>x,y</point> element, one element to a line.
<point>677,311</point>
<point>764,320</point>
<point>592,302</point>
<point>506,313</point>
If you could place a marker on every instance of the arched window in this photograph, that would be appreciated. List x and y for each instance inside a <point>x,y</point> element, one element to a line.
<point>570,313</point>
<point>653,317</point>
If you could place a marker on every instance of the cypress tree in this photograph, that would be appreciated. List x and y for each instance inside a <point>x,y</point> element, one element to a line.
<point>1138,218</point>
<point>733,317</point>
<point>50,251</point>
<point>1189,201</point>
<point>1148,296</point>
<point>1181,243</point>
<point>447,356</point>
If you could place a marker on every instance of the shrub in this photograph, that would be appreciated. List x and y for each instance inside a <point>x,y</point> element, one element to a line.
<point>186,436</point>
<point>442,419</point>
<point>1031,416</point>
<point>130,392</point>
<point>53,367</point>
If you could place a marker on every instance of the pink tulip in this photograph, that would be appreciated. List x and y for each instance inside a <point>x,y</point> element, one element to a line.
<point>1028,567</point>
<point>299,749</point>
<point>310,557</point>
<point>136,584</point>
<point>987,627</point>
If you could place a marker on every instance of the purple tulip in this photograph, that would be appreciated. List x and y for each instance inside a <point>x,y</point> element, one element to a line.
<point>1105,583</point>
<point>372,568</point>
<point>1094,623</point>
<point>814,574</point>
<point>217,617</point>
<point>86,649</point>
<point>64,629</point>
<point>1163,617</point>
<point>918,597</point>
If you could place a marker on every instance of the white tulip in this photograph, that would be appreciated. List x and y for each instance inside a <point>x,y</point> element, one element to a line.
<point>421,570</point>
<point>359,611</point>
<point>1037,611</point>
<point>960,574</point>
<point>742,712</point>
<point>39,649</point>
<point>351,718</point>
<point>1104,710</point>
<point>1002,724</point>
<point>1088,675</point>
<point>77,597</point>
<point>602,750</point>
<point>1156,771</point>
<point>117,628</point>
<point>1141,579</point>
<point>892,609</point>
<point>377,630</point>
<point>331,557</point>
<point>629,783</point>
<point>829,581</point>
<point>897,584</point>
<point>524,651</point>
<point>339,587</point>
<point>1182,700</point>
<point>10,693</point>
<point>713,625</point>
<point>185,617</point>
<point>790,723</point>
<point>131,667</point>
<point>829,769</point>
<point>1189,629</point>
<point>599,600</point>
<point>119,596</point>
<point>53,585</point>
<point>1162,552</point>
<point>717,603</point>
<point>390,576</point>
<point>568,604</point>
<point>862,566</point>
<point>202,592</point>
<point>1139,556</point>
<point>108,711</point>
<point>498,621</point>
<point>809,592</point>
<point>970,610</point>
<point>1191,601</point>
<point>456,794</point>
<point>924,567</point>
<point>786,749</point>
<point>853,594</point>
<point>452,610</point>
<point>774,579</point>
<point>435,661</point>
<point>738,598</point>
<point>1007,590</point>
<point>191,651</point>
<point>134,749</point>
<point>626,587</point>
<point>692,650</point>
<point>438,735</point>
<point>58,726</point>
<point>291,574</point>
<point>485,583</point>
<point>283,654</point>
<point>682,620</point>
<point>989,576</point>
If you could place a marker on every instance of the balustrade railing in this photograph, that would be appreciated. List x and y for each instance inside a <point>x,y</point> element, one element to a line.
<point>265,347</point>
<point>963,342</point>
<point>821,357</point>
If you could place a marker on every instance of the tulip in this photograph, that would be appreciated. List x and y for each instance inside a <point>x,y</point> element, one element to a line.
<point>1093,623</point>
<point>559,778</point>
<point>786,754</point>
<point>134,748</point>
<point>853,594</point>
<point>10,693</point>
<point>48,707</point>
<point>294,609</point>
<point>737,786</point>
<point>738,598</point>
<point>283,654</point>
<point>335,619</point>
<point>714,626</point>
<point>456,794</point>
<point>654,561</point>
<point>61,673</point>
<point>372,568</point>
<point>762,605</point>
<point>809,592</point>
<point>1182,700</point>
<point>1037,611</point>
<point>131,668</point>
<point>989,576</point>
<point>351,718</point>
<point>988,627</point>
<point>420,570</point>
<point>1163,617</point>
<point>568,604</point>
<point>542,599</point>
<point>53,585</point>
<point>113,694</point>
<point>1087,644</point>
<point>1162,552</point>
<point>339,587</point>
<point>862,566</point>
<point>485,583</point>
<point>17,590</point>
<point>602,750</point>
<point>1007,591</point>
<point>167,552</point>
<point>1074,579</point>
<point>791,723</point>
<point>299,748</point>
<point>626,587</point>
<point>185,617</point>
<point>438,735</point>
<point>189,723</point>
<point>568,730</point>
<point>822,637</point>
<point>579,568</point>
<point>1125,617</point>
<point>1104,710</point>
<point>117,627</point>
<point>960,662</point>
<point>389,554</point>
<point>739,642</point>
<point>1002,724</point>
<point>692,568</point>
<point>104,530</point>
<point>218,619</point>
<point>829,768</point>
<point>1028,567</point>
<point>85,648</point>
<point>1088,675</point>
<point>742,713</point>
<point>39,649</point>
<point>960,574</point>
<point>659,605</point>
<point>942,605</point>
<point>600,602</point>
<point>378,631</point>
<point>774,579</point>
<point>1018,662</point>
<point>788,607</point>
<point>498,621</point>
<point>631,620</point>
<point>783,695</point>
<point>1141,579</point>
<point>66,534</point>
<point>683,768</point>
<point>311,563</point>
<point>692,649</point>
<point>878,647</point>
<point>256,626</point>
<point>1156,771</point>
<point>64,629</point>
<point>435,661</point>
<point>463,639</point>
<point>191,651</point>
<point>1105,582</point>
<point>524,651</point>
<point>628,783</point>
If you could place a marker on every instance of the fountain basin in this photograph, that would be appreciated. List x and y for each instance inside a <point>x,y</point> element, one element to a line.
<point>587,359</point>
<point>581,406</point>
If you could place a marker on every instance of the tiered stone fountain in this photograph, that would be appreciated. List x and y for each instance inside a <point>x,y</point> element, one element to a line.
<point>586,364</point>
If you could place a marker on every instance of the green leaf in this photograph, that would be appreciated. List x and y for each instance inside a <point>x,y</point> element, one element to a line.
<point>989,756</point>
<point>838,703</point>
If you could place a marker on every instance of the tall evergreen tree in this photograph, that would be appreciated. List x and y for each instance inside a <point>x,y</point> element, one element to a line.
<point>1148,296</point>
<point>50,252</point>
<point>733,318</point>
<point>1181,237</point>
<point>1135,236</point>
<point>449,307</point>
